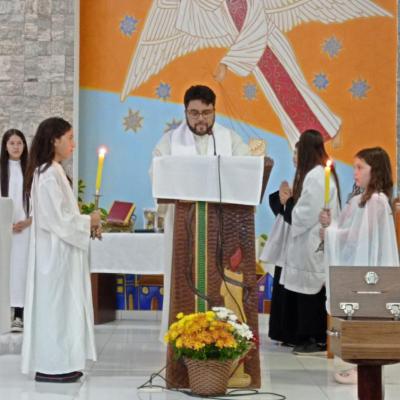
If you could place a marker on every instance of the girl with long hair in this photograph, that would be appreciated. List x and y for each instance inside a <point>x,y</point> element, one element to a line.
<point>304,272</point>
<point>364,234</point>
<point>58,335</point>
<point>13,161</point>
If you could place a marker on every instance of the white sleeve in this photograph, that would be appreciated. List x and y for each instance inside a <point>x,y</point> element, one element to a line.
<point>251,42</point>
<point>366,238</point>
<point>306,212</point>
<point>53,215</point>
<point>239,147</point>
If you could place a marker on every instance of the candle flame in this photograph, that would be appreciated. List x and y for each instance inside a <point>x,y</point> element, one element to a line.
<point>329,163</point>
<point>102,151</point>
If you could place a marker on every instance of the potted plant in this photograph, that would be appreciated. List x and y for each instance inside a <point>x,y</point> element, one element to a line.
<point>211,344</point>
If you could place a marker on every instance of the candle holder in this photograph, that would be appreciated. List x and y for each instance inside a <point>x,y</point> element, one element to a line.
<point>94,233</point>
<point>321,246</point>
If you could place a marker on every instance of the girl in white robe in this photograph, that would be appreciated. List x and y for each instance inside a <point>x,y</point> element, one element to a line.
<point>364,235</point>
<point>304,271</point>
<point>59,334</point>
<point>13,160</point>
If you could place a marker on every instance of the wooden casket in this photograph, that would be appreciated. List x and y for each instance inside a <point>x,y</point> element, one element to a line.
<point>365,327</point>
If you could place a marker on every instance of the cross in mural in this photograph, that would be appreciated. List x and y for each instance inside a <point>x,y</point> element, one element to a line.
<point>253,31</point>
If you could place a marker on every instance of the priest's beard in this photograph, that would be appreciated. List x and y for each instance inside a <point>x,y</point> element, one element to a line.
<point>201,128</point>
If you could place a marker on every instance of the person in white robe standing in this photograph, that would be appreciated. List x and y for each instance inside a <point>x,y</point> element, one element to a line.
<point>199,134</point>
<point>6,212</point>
<point>58,335</point>
<point>364,234</point>
<point>13,161</point>
<point>283,315</point>
<point>304,271</point>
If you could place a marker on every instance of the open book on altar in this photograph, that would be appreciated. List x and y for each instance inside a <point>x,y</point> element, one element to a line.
<point>235,180</point>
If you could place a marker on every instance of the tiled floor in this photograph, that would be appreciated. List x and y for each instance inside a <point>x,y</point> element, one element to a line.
<point>129,351</point>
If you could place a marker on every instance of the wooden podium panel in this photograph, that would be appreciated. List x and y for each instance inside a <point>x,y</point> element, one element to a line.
<point>236,227</point>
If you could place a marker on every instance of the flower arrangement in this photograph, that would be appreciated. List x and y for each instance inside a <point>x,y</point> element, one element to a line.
<point>210,335</point>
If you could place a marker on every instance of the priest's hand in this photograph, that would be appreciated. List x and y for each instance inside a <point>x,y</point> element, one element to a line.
<point>220,72</point>
<point>325,218</point>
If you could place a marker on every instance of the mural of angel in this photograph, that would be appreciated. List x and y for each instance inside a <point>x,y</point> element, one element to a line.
<point>253,31</point>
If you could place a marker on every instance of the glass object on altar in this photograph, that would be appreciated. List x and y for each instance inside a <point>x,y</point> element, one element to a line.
<point>150,219</point>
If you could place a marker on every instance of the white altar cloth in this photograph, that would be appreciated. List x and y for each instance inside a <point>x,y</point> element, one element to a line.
<point>128,253</point>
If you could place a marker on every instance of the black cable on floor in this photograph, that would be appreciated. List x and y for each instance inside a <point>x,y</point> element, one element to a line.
<point>231,394</point>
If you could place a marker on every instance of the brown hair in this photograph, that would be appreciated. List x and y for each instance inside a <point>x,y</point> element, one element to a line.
<point>310,153</point>
<point>42,150</point>
<point>4,169</point>
<point>381,173</point>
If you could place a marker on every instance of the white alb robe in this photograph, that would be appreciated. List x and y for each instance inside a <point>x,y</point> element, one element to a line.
<point>20,241</point>
<point>274,251</point>
<point>6,212</point>
<point>363,236</point>
<point>304,270</point>
<point>58,334</point>
<point>182,141</point>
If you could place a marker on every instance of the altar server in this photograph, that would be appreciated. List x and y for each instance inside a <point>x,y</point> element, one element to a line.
<point>13,161</point>
<point>283,313</point>
<point>304,272</point>
<point>364,234</point>
<point>58,335</point>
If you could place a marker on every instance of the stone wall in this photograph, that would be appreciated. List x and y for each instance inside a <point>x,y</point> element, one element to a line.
<point>36,62</point>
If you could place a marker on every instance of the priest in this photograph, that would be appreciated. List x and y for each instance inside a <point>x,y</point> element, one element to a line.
<point>199,134</point>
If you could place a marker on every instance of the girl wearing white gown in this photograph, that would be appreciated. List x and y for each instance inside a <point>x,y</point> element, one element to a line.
<point>304,271</point>
<point>59,334</point>
<point>364,234</point>
<point>13,161</point>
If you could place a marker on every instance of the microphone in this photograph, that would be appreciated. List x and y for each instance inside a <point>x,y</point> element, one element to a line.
<point>211,133</point>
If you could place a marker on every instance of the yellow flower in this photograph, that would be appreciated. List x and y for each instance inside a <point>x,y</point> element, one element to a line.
<point>178,343</point>
<point>179,315</point>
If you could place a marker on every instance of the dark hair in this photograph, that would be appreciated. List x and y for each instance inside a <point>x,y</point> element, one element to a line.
<point>310,153</point>
<point>4,168</point>
<point>381,173</point>
<point>42,150</point>
<point>199,92</point>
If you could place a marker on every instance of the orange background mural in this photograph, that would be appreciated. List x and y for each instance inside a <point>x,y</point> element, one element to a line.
<point>369,48</point>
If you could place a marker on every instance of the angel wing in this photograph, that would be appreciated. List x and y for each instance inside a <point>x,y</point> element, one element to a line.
<point>287,14</point>
<point>173,29</point>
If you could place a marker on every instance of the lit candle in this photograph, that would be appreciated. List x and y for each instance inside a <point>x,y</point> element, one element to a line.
<point>102,152</point>
<point>327,182</point>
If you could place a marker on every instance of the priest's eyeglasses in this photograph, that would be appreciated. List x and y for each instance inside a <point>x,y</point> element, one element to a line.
<point>195,114</point>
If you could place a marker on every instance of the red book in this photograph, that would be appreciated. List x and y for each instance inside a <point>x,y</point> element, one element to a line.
<point>121,212</point>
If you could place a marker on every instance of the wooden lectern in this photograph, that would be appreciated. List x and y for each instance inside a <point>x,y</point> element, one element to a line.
<point>368,333</point>
<point>213,261</point>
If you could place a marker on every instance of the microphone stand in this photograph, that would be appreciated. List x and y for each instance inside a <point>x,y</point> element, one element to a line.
<point>211,133</point>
